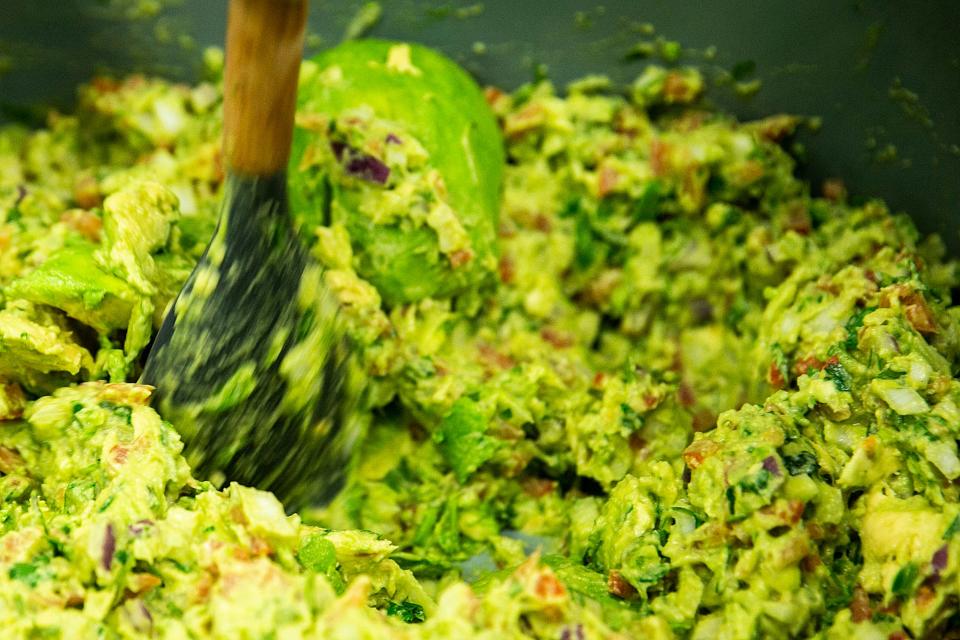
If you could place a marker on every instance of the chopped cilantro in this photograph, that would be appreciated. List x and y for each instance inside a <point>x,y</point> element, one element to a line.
<point>755,483</point>
<point>462,439</point>
<point>838,375</point>
<point>853,325</point>
<point>801,463</point>
<point>29,573</point>
<point>409,612</point>
<point>584,246</point>
<point>645,207</point>
<point>903,582</point>
<point>629,418</point>
<point>952,529</point>
<point>890,374</point>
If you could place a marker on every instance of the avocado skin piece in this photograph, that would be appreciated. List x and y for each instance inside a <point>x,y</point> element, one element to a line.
<point>72,281</point>
<point>437,107</point>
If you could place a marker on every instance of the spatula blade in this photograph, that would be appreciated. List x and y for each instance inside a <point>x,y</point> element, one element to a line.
<point>251,363</point>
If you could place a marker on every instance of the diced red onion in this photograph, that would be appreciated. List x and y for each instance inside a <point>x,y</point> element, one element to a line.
<point>360,165</point>
<point>701,310</point>
<point>394,139</point>
<point>140,618</point>
<point>109,547</point>
<point>939,561</point>
<point>21,193</point>
<point>368,168</point>
<point>140,526</point>
<point>574,632</point>
<point>770,464</point>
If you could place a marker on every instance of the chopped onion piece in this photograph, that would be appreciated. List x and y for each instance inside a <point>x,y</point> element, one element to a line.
<point>943,455</point>
<point>904,401</point>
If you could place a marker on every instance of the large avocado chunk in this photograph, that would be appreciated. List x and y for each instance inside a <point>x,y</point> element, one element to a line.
<point>72,280</point>
<point>397,143</point>
<point>37,349</point>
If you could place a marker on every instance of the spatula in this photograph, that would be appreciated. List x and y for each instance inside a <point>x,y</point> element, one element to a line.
<point>250,363</point>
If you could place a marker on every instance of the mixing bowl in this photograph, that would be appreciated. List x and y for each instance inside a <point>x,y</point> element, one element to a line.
<point>884,76</point>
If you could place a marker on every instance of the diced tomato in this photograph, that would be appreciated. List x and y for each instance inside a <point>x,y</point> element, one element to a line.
<point>460,257</point>
<point>637,442</point>
<point>794,511</point>
<point>919,316</point>
<point>83,222</point>
<point>807,364</point>
<point>698,451</point>
<point>142,582</point>
<point>810,563</point>
<point>530,117</point>
<point>548,587</point>
<point>860,605</point>
<point>86,192</point>
<point>507,269</point>
<point>542,223</point>
<point>776,128</point>
<point>260,547</point>
<point>704,420</point>
<point>925,595</point>
<point>10,460</point>
<point>118,455</point>
<point>557,338</point>
<point>494,358</point>
<point>677,90</point>
<point>606,180</point>
<point>16,400</point>
<point>749,172</point>
<point>834,190</point>
<point>617,585</point>
<point>798,219</point>
<point>915,307</point>
<point>105,85</point>
<point>775,376</point>
<point>659,157</point>
<point>492,95</point>
<point>538,487</point>
<point>686,395</point>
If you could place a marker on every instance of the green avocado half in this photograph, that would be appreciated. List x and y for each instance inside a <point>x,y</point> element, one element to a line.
<point>434,100</point>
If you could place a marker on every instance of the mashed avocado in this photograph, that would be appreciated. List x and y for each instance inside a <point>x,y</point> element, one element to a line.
<point>695,398</point>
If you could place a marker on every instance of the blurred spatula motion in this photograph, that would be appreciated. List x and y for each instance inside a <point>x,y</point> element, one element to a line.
<point>251,363</point>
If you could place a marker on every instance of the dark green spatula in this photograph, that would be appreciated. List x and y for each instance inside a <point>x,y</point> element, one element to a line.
<point>250,363</point>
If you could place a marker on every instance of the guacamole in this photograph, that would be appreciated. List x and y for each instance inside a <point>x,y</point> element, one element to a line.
<point>676,391</point>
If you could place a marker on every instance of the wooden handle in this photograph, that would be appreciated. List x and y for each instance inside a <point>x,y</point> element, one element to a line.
<point>264,48</point>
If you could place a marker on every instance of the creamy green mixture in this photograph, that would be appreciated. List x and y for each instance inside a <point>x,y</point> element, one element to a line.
<point>681,394</point>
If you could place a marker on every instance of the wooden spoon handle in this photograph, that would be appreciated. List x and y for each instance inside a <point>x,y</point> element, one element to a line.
<point>264,48</point>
